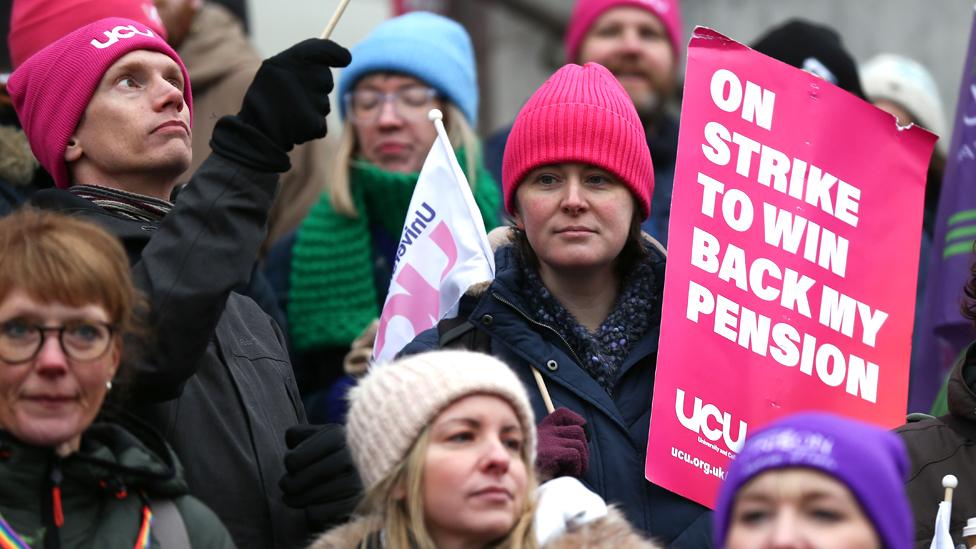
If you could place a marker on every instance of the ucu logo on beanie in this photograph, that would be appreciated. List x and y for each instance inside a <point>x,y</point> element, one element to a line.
<point>118,33</point>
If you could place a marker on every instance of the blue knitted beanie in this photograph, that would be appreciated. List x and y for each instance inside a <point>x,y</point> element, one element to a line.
<point>427,46</point>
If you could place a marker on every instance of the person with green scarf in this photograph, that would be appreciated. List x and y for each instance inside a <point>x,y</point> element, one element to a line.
<point>332,274</point>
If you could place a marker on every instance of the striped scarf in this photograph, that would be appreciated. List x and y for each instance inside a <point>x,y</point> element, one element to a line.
<point>124,204</point>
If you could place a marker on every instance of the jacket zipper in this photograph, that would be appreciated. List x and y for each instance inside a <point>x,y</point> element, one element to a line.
<point>541,325</point>
<point>53,523</point>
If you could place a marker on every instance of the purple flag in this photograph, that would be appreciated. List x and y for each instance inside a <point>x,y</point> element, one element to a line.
<point>943,333</point>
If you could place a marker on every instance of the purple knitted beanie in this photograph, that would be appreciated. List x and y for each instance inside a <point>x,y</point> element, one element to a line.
<point>870,461</point>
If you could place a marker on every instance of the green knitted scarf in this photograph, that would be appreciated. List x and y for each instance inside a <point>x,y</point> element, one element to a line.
<point>333,287</point>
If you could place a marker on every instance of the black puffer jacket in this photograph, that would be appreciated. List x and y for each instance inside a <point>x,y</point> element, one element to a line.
<point>216,380</point>
<point>942,446</point>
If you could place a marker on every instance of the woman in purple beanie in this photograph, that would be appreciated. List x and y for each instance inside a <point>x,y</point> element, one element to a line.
<point>816,480</point>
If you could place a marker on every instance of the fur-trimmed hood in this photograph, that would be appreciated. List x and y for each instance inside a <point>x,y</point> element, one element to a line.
<point>17,163</point>
<point>609,532</point>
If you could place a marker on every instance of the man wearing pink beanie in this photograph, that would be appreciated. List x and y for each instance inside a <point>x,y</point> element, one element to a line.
<point>641,43</point>
<point>107,110</point>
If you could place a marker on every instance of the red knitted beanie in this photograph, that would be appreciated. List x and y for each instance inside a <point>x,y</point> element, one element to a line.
<point>580,115</point>
<point>36,23</point>
<point>586,12</point>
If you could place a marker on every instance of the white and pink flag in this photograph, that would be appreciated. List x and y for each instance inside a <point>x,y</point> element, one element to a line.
<point>442,252</point>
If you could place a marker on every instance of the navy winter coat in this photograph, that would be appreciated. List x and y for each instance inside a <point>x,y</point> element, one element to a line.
<point>616,425</point>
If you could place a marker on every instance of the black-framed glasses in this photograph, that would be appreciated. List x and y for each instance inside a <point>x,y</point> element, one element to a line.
<point>411,102</point>
<point>81,340</point>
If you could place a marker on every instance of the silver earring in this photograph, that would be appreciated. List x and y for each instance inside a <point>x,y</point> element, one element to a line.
<point>108,385</point>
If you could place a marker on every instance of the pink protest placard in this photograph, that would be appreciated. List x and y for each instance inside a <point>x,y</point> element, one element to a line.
<point>794,241</point>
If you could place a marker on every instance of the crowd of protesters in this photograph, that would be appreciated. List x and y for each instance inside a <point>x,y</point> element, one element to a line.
<point>190,285</point>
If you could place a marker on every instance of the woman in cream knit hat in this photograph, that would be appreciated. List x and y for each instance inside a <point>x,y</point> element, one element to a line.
<point>445,444</point>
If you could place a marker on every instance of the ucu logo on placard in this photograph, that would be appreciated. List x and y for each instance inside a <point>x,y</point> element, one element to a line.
<point>699,422</point>
<point>119,33</point>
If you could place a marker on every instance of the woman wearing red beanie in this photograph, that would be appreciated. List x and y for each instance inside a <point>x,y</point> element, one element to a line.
<point>575,306</point>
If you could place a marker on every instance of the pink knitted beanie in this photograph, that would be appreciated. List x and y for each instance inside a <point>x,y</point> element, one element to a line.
<point>394,402</point>
<point>580,115</point>
<point>36,23</point>
<point>51,90</point>
<point>586,12</point>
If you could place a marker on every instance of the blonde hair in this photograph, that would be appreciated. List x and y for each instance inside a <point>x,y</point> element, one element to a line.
<point>401,519</point>
<point>458,131</point>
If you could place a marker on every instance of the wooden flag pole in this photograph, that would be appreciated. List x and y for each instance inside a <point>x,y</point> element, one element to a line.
<point>542,389</point>
<point>949,482</point>
<point>335,19</point>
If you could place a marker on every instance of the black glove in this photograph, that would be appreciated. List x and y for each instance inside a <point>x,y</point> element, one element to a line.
<point>321,477</point>
<point>285,105</point>
<point>562,448</point>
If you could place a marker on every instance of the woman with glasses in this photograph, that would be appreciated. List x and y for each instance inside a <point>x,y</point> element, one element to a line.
<point>333,273</point>
<point>67,480</point>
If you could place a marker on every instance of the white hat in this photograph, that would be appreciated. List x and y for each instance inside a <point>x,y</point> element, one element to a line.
<point>392,404</point>
<point>907,83</point>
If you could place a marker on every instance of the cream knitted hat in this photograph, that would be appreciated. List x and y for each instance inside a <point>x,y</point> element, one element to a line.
<point>392,404</point>
<point>908,84</point>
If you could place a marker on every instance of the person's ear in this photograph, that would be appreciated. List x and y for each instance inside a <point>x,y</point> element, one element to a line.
<point>517,217</point>
<point>516,213</point>
<point>72,151</point>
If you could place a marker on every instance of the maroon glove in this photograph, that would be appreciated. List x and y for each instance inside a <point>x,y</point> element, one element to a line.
<point>563,450</point>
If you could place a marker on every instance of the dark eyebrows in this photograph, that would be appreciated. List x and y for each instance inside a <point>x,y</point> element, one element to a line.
<point>509,429</point>
<point>548,168</point>
<point>822,495</point>
<point>135,66</point>
<point>125,67</point>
